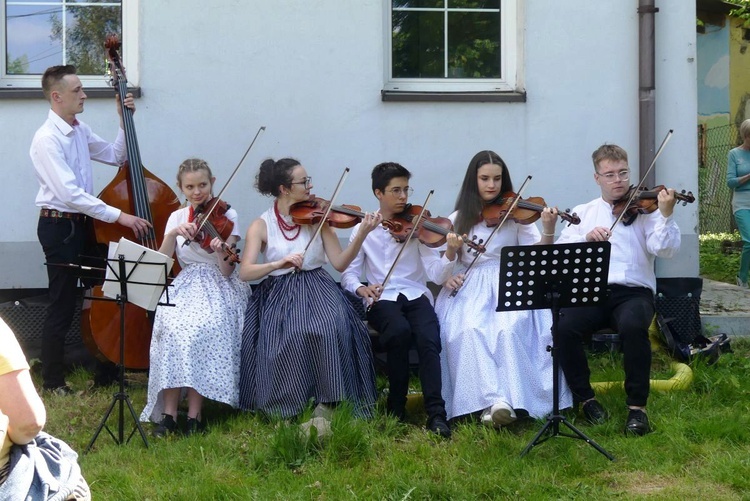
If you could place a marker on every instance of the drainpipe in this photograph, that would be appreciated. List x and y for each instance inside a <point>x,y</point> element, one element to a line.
<point>646,89</point>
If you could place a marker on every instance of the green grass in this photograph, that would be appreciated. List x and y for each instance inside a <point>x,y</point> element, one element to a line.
<point>716,264</point>
<point>700,448</point>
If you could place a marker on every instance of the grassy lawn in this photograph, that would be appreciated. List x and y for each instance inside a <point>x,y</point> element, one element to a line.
<point>700,448</point>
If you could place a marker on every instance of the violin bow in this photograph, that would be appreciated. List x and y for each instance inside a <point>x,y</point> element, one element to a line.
<point>328,210</point>
<point>226,185</point>
<point>408,239</point>
<point>494,230</point>
<point>643,178</point>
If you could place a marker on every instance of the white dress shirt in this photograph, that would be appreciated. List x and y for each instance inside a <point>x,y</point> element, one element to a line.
<point>62,156</point>
<point>634,247</point>
<point>417,265</point>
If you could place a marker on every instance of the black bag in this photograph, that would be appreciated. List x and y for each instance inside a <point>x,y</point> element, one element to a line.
<point>701,347</point>
<point>678,302</point>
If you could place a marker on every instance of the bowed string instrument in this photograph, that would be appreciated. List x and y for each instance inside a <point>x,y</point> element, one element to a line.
<point>510,207</point>
<point>416,221</point>
<point>432,231</point>
<point>527,211</point>
<point>639,200</point>
<point>212,220</point>
<point>137,191</point>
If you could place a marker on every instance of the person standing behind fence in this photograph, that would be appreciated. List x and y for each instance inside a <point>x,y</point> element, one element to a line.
<point>738,175</point>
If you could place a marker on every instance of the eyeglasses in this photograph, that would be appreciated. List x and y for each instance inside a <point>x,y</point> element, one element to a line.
<point>613,177</point>
<point>306,181</point>
<point>397,192</point>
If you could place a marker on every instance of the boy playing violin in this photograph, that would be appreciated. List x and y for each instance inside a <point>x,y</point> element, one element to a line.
<point>629,308</point>
<point>401,309</point>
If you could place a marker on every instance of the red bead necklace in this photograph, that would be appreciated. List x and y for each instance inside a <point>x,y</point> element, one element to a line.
<point>284,226</point>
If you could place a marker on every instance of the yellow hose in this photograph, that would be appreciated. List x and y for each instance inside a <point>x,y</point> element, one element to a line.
<point>681,380</point>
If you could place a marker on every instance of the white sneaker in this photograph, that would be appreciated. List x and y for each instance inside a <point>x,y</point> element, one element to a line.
<point>502,414</point>
<point>741,283</point>
<point>486,419</point>
<point>323,411</point>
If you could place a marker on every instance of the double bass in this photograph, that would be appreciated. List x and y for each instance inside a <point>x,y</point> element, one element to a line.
<point>136,191</point>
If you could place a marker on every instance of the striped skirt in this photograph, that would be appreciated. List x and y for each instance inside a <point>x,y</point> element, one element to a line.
<point>303,343</point>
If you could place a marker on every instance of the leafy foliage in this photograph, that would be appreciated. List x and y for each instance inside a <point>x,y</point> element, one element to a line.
<point>742,12</point>
<point>718,258</point>
<point>86,36</point>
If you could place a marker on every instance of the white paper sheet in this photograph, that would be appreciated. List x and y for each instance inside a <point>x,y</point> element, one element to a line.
<point>150,272</point>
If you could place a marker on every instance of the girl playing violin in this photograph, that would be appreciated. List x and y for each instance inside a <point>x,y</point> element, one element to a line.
<point>493,362</point>
<point>195,344</point>
<point>302,339</point>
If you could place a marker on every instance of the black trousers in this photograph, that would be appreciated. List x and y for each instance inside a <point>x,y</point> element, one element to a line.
<point>63,241</point>
<point>629,311</point>
<point>402,323</point>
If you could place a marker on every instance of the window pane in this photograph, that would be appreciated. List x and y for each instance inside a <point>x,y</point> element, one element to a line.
<point>419,4</point>
<point>87,32</point>
<point>474,45</point>
<point>31,47</point>
<point>418,45</point>
<point>474,4</point>
<point>37,38</point>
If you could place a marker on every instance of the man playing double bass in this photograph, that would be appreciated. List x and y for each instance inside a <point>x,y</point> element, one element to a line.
<point>62,151</point>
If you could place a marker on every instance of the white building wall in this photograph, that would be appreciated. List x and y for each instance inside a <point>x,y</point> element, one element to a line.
<point>213,72</point>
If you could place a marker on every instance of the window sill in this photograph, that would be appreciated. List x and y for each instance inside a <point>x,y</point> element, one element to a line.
<point>29,93</point>
<point>454,97</point>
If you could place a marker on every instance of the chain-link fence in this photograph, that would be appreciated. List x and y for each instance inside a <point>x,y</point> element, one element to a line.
<point>715,210</point>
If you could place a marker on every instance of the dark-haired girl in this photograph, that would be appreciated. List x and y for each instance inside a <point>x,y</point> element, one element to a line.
<point>195,345</point>
<point>302,340</point>
<point>493,362</point>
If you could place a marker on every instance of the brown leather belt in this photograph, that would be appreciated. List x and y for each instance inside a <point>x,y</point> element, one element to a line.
<point>75,216</point>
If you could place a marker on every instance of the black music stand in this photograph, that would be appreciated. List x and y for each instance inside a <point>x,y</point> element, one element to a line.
<point>122,276</point>
<point>554,276</point>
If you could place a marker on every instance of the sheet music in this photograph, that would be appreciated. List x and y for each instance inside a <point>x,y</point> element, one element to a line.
<point>146,282</point>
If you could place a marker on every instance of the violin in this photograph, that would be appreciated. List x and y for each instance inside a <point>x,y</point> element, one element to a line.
<point>313,210</point>
<point>432,231</point>
<point>644,202</point>
<point>217,225</point>
<point>527,210</point>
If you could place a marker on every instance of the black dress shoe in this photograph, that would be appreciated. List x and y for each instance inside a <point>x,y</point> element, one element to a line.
<point>637,423</point>
<point>594,412</point>
<point>194,426</point>
<point>397,410</point>
<point>439,426</point>
<point>165,427</point>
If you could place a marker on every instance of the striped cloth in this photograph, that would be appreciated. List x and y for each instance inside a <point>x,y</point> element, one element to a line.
<point>304,343</point>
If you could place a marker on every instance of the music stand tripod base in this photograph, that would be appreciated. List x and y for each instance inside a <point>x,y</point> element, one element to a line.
<point>121,396</point>
<point>554,276</point>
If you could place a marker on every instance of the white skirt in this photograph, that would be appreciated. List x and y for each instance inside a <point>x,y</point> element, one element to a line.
<point>489,356</point>
<point>196,343</point>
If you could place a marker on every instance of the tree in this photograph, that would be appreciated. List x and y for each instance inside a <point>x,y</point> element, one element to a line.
<point>86,36</point>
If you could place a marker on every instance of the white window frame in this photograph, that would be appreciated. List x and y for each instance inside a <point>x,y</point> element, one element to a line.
<point>128,54</point>
<point>511,44</point>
